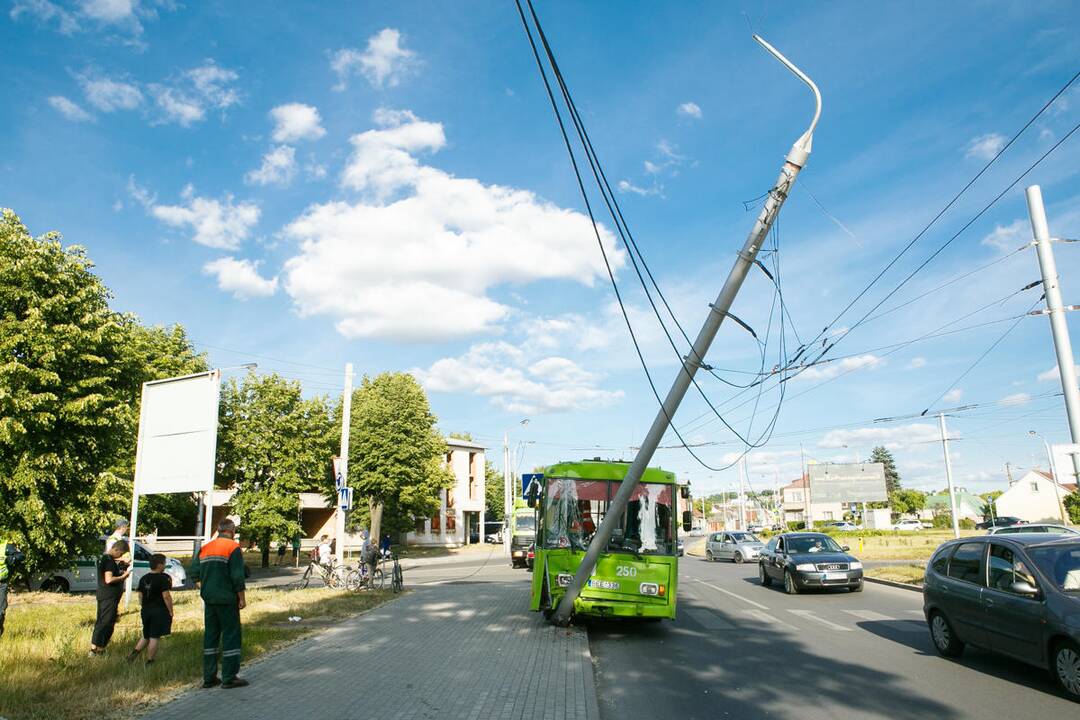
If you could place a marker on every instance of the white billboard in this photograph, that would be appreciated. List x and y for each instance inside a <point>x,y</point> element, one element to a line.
<point>1063,468</point>
<point>847,482</point>
<point>178,435</point>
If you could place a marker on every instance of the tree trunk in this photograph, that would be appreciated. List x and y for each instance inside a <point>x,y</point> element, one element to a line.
<point>265,547</point>
<point>375,510</point>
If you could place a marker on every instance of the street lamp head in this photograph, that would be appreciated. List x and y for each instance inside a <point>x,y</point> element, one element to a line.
<point>524,422</point>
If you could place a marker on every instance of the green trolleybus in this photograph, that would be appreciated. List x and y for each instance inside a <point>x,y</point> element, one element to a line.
<point>637,574</point>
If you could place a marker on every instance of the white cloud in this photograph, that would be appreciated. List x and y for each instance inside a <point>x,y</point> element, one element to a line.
<point>1008,237</point>
<point>215,223</point>
<point>315,170</point>
<point>141,195</point>
<point>72,16</point>
<point>384,63</point>
<point>186,100</point>
<point>828,371</point>
<point>915,363</point>
<point>278,167</point>
<point>953,395</point>
<point>110,95</point>
<point>626,186</point>
<point>109,11</point>
<point>68,109</point>
<point>985,147</point>
<point>690,109</point>
<point>416,257</point>
<point>1053,374</point>
<point>240,277</point>
<point>45,11</point>
<point>892,437</point>
<point>296,121</point>
<point>507,375</point>
<point>1016,399</point>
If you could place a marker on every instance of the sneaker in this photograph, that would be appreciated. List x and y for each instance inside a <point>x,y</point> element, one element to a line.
<point>235,683</point>
<point>212,682</point>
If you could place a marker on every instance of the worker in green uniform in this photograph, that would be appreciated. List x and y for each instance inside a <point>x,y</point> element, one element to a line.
<point>219,572</point>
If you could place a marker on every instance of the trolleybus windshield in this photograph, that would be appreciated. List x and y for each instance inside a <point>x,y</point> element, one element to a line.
<point>573,510</point>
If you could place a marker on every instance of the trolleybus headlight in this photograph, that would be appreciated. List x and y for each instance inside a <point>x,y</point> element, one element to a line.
<point>563,580</point>
<point>649,589</point>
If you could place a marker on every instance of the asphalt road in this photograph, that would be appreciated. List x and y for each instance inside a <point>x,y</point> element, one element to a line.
<point>739,650</point>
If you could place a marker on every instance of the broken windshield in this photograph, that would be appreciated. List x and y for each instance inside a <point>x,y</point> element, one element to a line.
<point>574,509</point>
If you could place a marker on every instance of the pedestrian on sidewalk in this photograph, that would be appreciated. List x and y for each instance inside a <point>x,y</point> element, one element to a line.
<point>9,557</point>
<point>280,550</point>
<point>219,573</point>
<point>155,597</point>
<point>110,588</point>
<point>296,548</point>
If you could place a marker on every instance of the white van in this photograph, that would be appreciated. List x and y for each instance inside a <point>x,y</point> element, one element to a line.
<point>83,577</point>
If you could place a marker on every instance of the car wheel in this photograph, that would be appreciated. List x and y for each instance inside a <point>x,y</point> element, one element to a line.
<point>738,558</point>
<point>763,575</point>
<point>55,585</point>
<point>945,641</point>
<point>789,583</point>
<point>1066,668</point>
<point>856,588</point>
<point>708,556</point>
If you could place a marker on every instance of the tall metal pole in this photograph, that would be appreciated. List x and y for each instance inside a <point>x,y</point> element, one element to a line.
<point>1054,307</point>
<point>796,159</point>
<point>1056,481</point>
<point>508,519</point>
<point>741,525</point>
<point>343,465</point>
<point>948,476</point>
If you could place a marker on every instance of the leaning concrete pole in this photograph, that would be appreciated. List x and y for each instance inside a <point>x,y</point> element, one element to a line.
<point>794,162</point>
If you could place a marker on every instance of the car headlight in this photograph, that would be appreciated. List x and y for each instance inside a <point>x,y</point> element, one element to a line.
<point>805,567</point>
<point>855,565</point>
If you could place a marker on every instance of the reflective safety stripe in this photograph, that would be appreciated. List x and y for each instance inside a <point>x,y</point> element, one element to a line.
<point>3,561</point>
<point>210,651</point>
<point>213,558</point>
<point>230,653</point>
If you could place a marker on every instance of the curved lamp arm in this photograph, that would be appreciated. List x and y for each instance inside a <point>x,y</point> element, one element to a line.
<point>801,149</point>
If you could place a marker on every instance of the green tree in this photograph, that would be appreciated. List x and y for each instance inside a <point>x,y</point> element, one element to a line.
<point>1072,507</point>
<point>493,492</point>
<point>881,454</point>
<point>396,453</point>
<point>272,444</point>
<point>64,402</point>
<point>907,501</point>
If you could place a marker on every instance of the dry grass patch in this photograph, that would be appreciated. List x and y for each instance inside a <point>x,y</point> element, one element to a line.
<point>901,545</point>
<point>910,574</point>
<point>46,673</point>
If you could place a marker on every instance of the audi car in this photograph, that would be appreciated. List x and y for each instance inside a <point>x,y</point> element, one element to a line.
<point>808,561</point>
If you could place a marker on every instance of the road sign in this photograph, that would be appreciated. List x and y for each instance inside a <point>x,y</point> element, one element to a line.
<point>527,481</point>
<point>339,481</point>
<point>847,482</point>
<point>345,498</point>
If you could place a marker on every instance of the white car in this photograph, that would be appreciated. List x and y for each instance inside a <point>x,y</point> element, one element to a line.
<point>908,524</point>
<point>83,577</point>
<point>1033,528</point>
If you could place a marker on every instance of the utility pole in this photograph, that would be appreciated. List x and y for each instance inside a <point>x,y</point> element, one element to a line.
<point>508,487</point>
<point>793,163</point>
<point>809,515</point>
<point>948,476</point>
<point>1055,309</point>
<point>343,466</point>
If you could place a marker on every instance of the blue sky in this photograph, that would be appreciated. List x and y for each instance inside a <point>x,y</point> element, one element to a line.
<point>385,184</point>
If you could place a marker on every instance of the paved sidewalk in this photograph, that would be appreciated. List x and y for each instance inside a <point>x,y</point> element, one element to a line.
<point>460,650</point>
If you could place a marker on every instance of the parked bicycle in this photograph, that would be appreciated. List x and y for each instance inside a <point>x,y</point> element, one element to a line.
<point>365,577</point>
<point>397,577</point>
<point>333,575</point>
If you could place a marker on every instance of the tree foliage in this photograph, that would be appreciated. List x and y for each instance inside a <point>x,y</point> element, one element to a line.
<point>494,492</point>
<point>1072,507</point>
<point>272,444</point>
<point>395,452</point>
<point>907,501</point>
<point>881,454</point>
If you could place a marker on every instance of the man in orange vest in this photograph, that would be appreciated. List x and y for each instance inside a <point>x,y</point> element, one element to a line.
<point>219,573</point>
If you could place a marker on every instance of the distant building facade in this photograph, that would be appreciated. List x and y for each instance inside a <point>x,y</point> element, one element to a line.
<point>460,519</point>
<point>1034,498</point>
<point>795,496</point>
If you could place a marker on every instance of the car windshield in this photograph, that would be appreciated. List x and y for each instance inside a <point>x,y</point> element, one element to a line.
<point>1060,563</point>
<point>812,544</point>
<point>525,525</point>
<point>573,510</point>
<point>744,538</point>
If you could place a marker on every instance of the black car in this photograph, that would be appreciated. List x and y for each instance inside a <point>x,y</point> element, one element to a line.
<point>1001,521</point>
<point>1017,595</point>
<point>808,560</point>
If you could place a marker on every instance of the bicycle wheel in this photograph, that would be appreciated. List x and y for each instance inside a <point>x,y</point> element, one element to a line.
<point>354,581</point>
<point>377,579</point>
<point>306,579</point>
<point>398,583</point>
<point>336,577</point>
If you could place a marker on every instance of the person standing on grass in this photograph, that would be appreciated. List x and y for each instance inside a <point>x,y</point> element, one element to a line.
<point>218,571</point>
<point>296,548</point>
<point>157,608</point>
<point>9,557</point>
<point>110,588</point>
<point>280,550</point>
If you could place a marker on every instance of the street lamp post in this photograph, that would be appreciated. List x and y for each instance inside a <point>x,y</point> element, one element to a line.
<point>1053,471</point>
<point>508,488</point>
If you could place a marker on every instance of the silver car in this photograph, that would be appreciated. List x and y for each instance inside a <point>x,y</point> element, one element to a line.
<point>83,576</point>
<point>1033,528</point>
<point>736,545</point>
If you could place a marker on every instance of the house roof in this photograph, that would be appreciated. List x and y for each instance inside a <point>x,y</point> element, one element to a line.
<point>796,484</point>
<point>461,443</point>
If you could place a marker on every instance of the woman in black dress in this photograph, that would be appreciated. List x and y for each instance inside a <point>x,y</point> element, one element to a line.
<point>157,608</point>
<point>110,588</point>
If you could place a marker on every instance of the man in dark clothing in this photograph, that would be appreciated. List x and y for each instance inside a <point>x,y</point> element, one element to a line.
<point>219,572</point>
<point>110,588</point>
<point>9,557</point>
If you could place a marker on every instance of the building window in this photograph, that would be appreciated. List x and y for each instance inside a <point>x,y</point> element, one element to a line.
<point>451,522</point>
<point>796,496</point>
<point>828,515</point>
<point>1035,487</point>
<point>449,458</point>
<point>472,487</point>
<point>419,526</point>
<point>450,498</point>
<point>435,523</point>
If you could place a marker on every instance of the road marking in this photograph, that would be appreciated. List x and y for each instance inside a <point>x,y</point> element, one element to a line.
<point>765,617</point>
<point>870,615</point>
<point>708,619</point>
<point>748,601</point>
<point>809,614</point>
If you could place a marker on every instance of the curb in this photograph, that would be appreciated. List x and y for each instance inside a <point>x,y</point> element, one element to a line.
<point>591,700</point>
<point>895,584</point>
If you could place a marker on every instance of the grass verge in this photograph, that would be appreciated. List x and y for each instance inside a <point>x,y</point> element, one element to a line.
<point>46,673</point>
<point>897,573</point>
